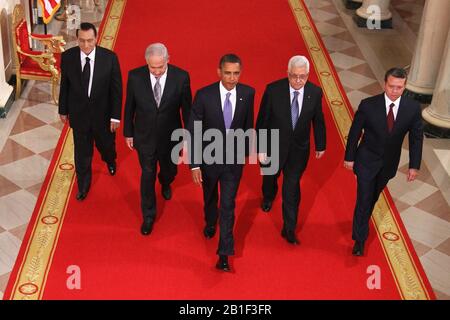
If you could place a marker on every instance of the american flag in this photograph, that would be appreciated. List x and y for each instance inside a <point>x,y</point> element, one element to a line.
<point>49,8</point>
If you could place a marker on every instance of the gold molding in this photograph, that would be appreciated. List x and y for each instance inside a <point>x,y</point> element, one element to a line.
<point>32,275</point>
<point>404,270</point>
<point>31,278</point>
<point>112,24</point>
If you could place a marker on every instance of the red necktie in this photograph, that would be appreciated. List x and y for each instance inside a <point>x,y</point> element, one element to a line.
<point>390,117</point>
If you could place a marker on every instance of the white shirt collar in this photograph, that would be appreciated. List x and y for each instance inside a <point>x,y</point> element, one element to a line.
<point>161,78</point>
<point>396,105</point>
<point>300,91</point>
<point>389,101</point>
<point>224,91</point>
<point>90,55</point>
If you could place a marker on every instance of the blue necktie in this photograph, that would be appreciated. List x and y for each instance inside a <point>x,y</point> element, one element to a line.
<point>294,109</point>
<point>227,112</point>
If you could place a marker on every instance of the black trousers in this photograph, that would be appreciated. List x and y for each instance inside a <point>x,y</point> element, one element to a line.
<point>228,178</point>
<point>105,142</point>
<point>167,173</point>
<point>291,193</point>
<point>368,192</point>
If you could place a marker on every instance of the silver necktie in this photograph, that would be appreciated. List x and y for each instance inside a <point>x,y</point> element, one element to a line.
<point>157,92</point>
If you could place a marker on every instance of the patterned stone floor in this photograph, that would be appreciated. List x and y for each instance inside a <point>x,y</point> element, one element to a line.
<point>30,132</point>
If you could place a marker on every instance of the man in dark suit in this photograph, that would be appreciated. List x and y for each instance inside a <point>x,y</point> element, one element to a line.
<point>290,105</point>
<point>91,99</point>
<point>385,119</point>
<point>222,107</point>
<point>156,93</point>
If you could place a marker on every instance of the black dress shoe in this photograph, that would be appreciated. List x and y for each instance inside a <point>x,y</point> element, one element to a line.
<point>358,249</point>
<point>289,236</point>
<point>166,192</point>
<point>266,205</point>
<point>147,227</point>
<point>112,168</point>
<point>222,264</point>
<point>209,231</point>
<point>81,195</point>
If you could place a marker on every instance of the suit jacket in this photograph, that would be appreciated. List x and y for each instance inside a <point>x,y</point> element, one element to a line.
<point>105,101</point>
<point>152,126</point>
<point>207,108</point>
<point>379,149</point>
<point>275,113</point>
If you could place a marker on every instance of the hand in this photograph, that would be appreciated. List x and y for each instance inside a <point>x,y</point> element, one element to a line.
<point>197,176</point>
<point>114,126</point>
<point>129,142</point>
<point>319,154</point>
<point>349,165</point>
<point>412,175</point>
<point>63,118</point>
<point>262,157</point>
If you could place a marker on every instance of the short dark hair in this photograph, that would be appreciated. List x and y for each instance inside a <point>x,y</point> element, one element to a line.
<point>396,72</point>
<point>231,58</point>
<point>85,26</point>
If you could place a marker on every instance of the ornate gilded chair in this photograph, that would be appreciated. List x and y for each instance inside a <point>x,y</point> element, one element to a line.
<point>32,64</point>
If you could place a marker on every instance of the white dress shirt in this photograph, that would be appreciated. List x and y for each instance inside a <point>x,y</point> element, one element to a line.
<point>91,76</point>
<point>223,96</point>
<point>162,81</point>
<point>92,63</point>
<point>301,92</point>
<point>395,108</point>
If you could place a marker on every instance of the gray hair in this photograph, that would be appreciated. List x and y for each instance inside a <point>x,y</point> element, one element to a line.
<point>156,49</point>
<point>298,61</point>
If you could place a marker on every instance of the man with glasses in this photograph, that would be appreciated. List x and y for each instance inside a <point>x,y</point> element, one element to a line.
<point>290,105</point>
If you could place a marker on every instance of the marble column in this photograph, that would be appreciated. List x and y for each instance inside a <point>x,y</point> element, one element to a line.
<point>430,46</point>
<point>374,14</point>
<point>438,113</point>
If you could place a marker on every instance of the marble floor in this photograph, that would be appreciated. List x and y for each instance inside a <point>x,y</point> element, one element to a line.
<point>30,132</point>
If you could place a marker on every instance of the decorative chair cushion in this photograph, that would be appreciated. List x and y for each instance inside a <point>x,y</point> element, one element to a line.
<point>31,67</point>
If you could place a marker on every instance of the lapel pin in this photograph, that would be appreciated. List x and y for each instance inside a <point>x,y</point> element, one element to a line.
<point>240,99</point>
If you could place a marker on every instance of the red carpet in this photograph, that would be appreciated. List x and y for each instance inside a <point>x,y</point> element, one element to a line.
<point>101,234</point>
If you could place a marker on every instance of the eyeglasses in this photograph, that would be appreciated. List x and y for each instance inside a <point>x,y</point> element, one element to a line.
<point>302,77</point>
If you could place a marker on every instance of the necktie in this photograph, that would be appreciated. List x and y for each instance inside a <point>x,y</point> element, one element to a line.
<point>294,109</point>
<point>86,74</point>
<point>227,111</point>
<point>390,117</point>
<point>157,92</point>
